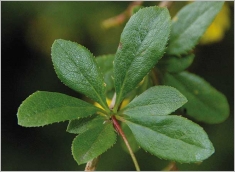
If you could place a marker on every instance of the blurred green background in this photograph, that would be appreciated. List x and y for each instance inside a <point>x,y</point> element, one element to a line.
<point>28,30</point>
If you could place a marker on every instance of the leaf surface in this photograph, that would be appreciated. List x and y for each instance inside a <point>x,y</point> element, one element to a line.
<point>42,108</point>
<point>158,100</point>
<point>189,25</point>
<point>172,138</point>
<point>76,67</point>
<point>78,126</point>
<point>205,103</point>
<point>142,44</point>
<point>93,142</point>
<point>174,64</point>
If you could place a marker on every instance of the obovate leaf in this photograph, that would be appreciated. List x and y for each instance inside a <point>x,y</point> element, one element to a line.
<point>81,125</point>
<point>76,67</point>
<point>158,100</point>
<point>189,25</point>
<point>105,63</point>
<point>172,138</point>
<point>174,64</point>
<point>93,142</point>
<point>142,44</point>
<point>205,103</point>
<point>42,108</point>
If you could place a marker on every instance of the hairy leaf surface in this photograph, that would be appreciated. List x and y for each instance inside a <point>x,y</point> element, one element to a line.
<point>142,44</point>
<point>205,103</point>
<point>172,138</point>
<point>93,142</point>
<point>42,108</point>
<point>81,125</point>
<point>189,25</point>
<point>76,67</point>
<point>158,100</point>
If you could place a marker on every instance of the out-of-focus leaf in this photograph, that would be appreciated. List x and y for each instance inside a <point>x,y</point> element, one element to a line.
<point>174,64</point>
<point>205,103</point>
<point>105,63</point>
<point>189,25</point>
<point>218,28</point>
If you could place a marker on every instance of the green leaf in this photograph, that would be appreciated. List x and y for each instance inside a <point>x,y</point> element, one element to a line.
<point>158,100</point>
<point>76,67</point>
<point>142,44</point>
<point>105,63</point>
<point>81,125</point>
<point>189,25</point>
<point>93,142</point>
<point>174,64</point>
<point>172,138</point>
<point>205,103</point>
<point>42,108</point>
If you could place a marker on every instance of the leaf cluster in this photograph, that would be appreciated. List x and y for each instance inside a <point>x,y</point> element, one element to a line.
<point>130,72</point>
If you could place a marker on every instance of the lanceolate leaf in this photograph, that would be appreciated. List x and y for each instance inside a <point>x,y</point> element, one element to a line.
<point>142,44</point>
<point>172,138</point>
<point>205,103</point>
<point>105,63</point>
<point>158,100</point>
<point>93,142</point>
<point>76,67</point>
<point>174,64</point>
<point>81,125</point>
<point>190,24</point>
<point>42,108</point>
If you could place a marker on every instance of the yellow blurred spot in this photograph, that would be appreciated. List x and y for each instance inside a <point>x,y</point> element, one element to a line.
<point>99,106</point>
<point>124,103</point>
<point>216,30</point>
<point>175,19</point>
<point>196,92</point>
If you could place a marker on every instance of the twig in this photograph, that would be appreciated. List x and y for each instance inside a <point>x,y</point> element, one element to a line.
<point>171,167</point>
<point>91,165</point>
<point>119,130</point>
<point>165,4</point>
<point>119,19</point>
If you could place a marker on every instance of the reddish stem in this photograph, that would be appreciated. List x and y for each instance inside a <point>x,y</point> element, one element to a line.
<point>119,130</point>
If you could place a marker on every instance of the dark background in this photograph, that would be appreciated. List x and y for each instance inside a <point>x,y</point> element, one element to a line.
<point>28,30</point>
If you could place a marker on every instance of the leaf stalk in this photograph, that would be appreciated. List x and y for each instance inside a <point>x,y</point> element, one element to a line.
<point>119,130</point>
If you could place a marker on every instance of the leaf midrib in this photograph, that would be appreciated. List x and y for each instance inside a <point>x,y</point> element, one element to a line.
<point>199,146</point>
<point>135,107</point>
<point>97,138</point>
<point>136,53</point>
<point>64,107</point>
<point>83,75</point>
